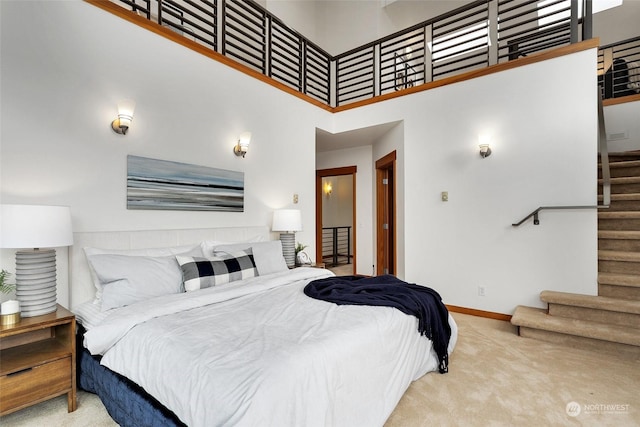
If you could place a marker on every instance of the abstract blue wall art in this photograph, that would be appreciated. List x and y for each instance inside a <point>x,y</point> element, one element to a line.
<point>165,185</point>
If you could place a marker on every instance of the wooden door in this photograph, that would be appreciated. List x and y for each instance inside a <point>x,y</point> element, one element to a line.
<point>386,215</point>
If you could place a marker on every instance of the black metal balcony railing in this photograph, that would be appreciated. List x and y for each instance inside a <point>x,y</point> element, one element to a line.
<point>482,33</point>
<point>619,68</point>
<point>336,245</point>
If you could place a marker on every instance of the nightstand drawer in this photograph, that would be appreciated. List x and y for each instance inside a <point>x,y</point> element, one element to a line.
<point>31,385</point>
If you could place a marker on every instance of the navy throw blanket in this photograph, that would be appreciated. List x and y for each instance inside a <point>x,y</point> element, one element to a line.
<point>386,290</point>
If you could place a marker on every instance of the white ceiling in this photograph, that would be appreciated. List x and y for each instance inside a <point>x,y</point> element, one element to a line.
<point>327,141</point>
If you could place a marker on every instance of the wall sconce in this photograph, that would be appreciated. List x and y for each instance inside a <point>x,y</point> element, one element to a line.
<point>328,189</point>
<point>485,150</point>
<point>242,146</point>
<point>125,115</point>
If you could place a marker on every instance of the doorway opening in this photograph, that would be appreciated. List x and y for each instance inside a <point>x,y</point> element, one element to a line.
<point>336,219</point>
<point>386,214</point>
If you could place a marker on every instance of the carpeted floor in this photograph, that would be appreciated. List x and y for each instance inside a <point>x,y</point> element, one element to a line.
<point>495,379</point>
<point>342,269</point>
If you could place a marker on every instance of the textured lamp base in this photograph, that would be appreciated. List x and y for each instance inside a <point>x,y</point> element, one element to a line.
<point>289,248</point>
<point>36,282</point>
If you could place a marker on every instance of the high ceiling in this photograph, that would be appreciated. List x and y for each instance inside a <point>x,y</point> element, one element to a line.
<point>327,141</point>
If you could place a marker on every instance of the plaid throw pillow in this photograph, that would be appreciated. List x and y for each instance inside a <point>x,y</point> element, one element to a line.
<point>199,273</point>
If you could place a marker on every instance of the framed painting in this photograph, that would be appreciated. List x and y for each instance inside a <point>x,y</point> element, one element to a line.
<point>166,185</point>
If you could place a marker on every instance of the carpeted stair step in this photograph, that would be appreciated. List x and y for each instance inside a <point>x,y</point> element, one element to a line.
<point>623,156</point>
<point>622,202</point>
<point>614,311</point>
<point>621,262</point>
<point>622,168</point>
<point>536,323</point>
<point>619,286</point>
<point>624,184</point>
<point>624,220</point>
<point>619,240</point>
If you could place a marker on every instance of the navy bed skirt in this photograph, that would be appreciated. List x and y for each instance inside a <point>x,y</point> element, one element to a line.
<point>126,402</point>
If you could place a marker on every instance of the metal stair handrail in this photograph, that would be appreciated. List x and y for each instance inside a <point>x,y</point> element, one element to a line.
<point>604,155</point>
<point>536,220</point>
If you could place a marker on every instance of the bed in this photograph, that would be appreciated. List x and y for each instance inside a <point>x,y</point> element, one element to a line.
<point>244,346</point>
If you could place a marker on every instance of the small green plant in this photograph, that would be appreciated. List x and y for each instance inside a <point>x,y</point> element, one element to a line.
<point>300,247</point>
<point>5,287</point>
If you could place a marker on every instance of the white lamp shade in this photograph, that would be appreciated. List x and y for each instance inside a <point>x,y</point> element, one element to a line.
<point>287,220</point>
<point>35,226</point>
<point>126,108</point>
<point>244,140</point>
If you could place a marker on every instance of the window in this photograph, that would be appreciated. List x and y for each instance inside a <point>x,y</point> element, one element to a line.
<point>546,9</point>
<point>461,42</point>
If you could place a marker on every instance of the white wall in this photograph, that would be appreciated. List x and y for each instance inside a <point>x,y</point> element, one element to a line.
<point>298,15</point>
<point>65,65</point>
<point>543,129</point>
<point>622,119</point>
<point>337,208</point>
<point>617,24</point>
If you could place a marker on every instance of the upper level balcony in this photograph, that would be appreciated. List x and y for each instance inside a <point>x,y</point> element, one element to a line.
<point>465,40</point>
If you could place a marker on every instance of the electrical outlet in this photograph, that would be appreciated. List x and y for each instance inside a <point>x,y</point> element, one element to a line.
<point>444,196</point>
<point>295,198</point>
<point>481,291</point>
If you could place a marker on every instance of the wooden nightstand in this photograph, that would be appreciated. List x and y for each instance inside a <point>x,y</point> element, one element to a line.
<point>312,265</point>
<point>38,361</point>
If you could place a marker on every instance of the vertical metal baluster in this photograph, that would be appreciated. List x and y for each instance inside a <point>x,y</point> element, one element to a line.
<point>574,22</point>
<point>587,21</point>
<point>216,27</point>
<point>223,30</point>
<point>337,82</point>
<point>348,245</point>
<point>492,32</point>
<point>335,246</point>
<point>302,61</point>
<point>266,56</point>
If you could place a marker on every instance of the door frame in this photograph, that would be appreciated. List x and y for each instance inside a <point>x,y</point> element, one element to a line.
<point>323,173</point>
<point>386,167</point>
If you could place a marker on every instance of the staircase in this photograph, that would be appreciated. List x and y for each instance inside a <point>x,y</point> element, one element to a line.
<point>611,320</point>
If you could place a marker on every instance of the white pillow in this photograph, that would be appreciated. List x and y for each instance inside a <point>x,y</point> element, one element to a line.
<point>208,246</point>
<point>187,250</point>
<point>128,279</point>
<point>267,255</point>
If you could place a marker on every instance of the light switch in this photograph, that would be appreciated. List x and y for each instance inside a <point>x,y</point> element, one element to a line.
<point>445,196</point>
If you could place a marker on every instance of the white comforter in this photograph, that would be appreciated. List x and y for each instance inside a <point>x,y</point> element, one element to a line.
<point>260,353</point>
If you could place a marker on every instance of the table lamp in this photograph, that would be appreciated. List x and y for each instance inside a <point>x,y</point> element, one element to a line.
<point>288,221</point>
<point>30,228</point>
